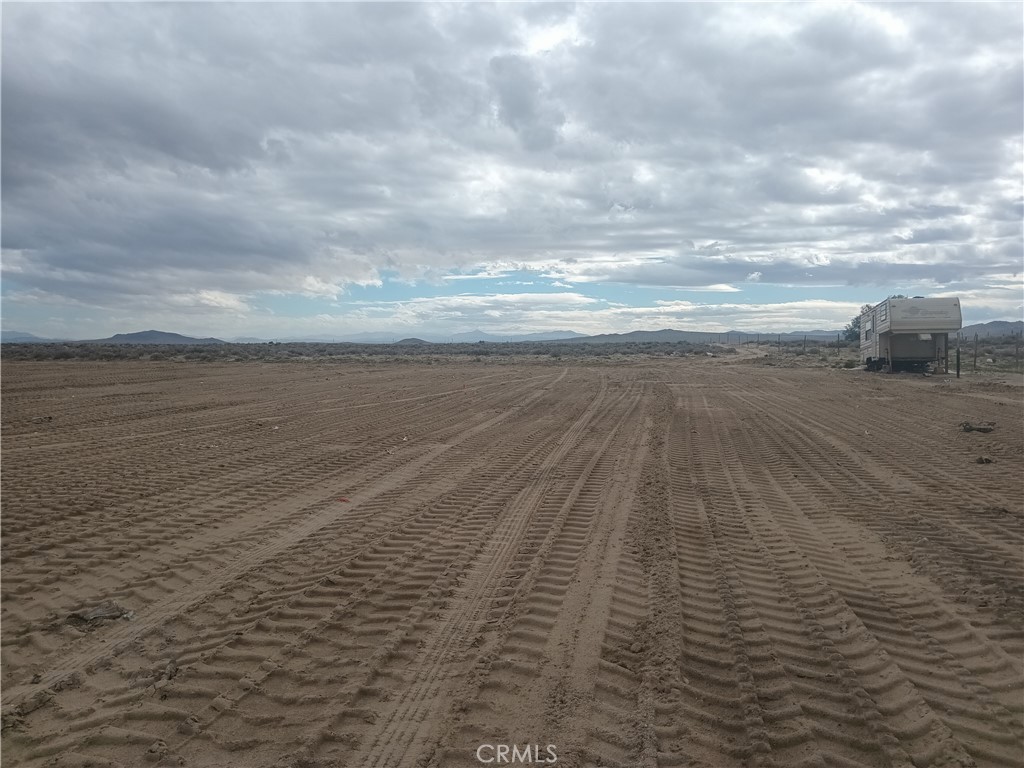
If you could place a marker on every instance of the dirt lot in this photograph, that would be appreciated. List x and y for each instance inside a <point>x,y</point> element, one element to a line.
<point>689,562</point>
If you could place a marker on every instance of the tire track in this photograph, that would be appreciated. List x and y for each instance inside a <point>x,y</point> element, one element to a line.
<point>972,568</point>
<point>337,585</point>
<point>404,730</point>
<point>968,685</point>
<point>178,601</point>
<point>533,675</point>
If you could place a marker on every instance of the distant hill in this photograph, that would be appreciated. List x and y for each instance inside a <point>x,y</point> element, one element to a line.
<point>993,328</point>
<point>20,337</point>
<point>411,342</point>
<point>152,337</point>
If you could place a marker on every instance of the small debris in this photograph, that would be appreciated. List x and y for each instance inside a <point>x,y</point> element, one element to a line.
<point>105,611</point>
<point>344,499</point>
<point>981,426</point>
<point>983,460</point>
<point>166,669</point>
<point>156,751</point>
<point>190,726</point>
<point>10,718</point>
<point>69,683</point>
<point>42,419</point>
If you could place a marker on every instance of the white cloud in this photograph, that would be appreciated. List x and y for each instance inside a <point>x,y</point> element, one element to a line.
<point>314,286</point>
<point>209,299</point>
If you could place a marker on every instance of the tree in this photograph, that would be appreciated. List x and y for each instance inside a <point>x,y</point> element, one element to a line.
<point>852,330</point>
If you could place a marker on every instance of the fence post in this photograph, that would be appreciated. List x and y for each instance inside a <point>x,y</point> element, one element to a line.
<point>975,353</point>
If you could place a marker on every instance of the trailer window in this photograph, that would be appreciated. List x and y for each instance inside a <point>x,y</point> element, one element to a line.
<point>883,312</point>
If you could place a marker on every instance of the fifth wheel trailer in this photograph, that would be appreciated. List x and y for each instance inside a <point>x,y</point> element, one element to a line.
<point>908,334</point>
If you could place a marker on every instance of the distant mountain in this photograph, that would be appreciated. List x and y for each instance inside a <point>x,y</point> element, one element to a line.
<point>352,338</point>
<point>471,337</point>
<point>993,328</point>
<point>152,337</point>
<point>20,337</point>
<point>664,335</point>
<point>702,337</point>
<point>815,334</point>
<point>386,337</point>
<point>549,336</point>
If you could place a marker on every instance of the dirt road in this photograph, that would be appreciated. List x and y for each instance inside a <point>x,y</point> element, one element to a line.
<point>657,564</point>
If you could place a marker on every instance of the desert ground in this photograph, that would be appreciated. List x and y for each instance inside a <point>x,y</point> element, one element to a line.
<point>679,562</point>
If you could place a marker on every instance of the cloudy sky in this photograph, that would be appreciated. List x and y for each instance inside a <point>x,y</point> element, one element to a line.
<point>286,169</point>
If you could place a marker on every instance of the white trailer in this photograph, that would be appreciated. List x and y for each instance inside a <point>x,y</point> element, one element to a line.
<point>908,334</point>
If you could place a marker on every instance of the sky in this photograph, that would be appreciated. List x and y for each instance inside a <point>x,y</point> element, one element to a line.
<point>275,170</point>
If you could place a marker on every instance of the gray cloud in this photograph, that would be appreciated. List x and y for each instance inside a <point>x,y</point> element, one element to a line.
<point>156,150</point>
<point>521,102</point>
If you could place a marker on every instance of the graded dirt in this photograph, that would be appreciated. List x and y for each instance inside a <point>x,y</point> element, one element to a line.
<point>678,563</point>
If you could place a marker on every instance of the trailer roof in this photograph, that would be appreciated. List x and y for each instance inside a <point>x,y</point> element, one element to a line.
<point>923,314</point>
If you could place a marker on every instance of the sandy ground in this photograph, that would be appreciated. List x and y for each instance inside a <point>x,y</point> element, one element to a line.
<point>706,563</point>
